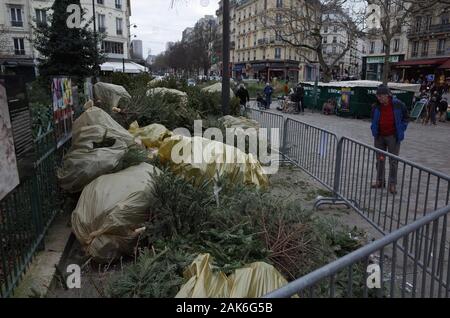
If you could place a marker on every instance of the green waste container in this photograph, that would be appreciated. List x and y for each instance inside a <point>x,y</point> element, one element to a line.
<point>355,98</point>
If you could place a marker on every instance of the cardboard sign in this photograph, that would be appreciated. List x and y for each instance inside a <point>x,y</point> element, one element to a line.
<point>9,176</point>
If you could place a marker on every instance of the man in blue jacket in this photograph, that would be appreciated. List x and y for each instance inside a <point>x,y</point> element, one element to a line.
<point>389,123</point>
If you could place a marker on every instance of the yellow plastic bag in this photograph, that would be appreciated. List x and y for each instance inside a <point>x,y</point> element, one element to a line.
<point>215,159</point>
<point>252,281</point>
<point>112,209</point>
<point>152,135</point>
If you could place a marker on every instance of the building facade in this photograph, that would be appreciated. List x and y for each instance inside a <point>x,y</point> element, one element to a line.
<point>373,59</point>
<point>428,56</point>
<point>17,54</point>
<point>137,51</point>
<point>255,51</point>
<point>334,42</point>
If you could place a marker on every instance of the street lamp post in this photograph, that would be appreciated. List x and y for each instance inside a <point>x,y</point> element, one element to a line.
<point>226,57</point>
<point>95,42</point>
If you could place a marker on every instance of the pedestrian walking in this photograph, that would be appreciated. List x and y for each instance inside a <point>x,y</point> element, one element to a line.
<point>244,97</point>
<point>389,123</point>
<point>443,108</point>
<point>268,91</point>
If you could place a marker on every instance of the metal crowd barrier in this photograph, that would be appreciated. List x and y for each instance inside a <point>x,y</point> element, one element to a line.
<point>348,168</point>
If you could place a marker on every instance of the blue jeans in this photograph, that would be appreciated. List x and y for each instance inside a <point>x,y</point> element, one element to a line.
<point>268,100</point>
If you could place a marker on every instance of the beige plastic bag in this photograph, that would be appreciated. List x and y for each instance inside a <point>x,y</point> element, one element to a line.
<point>152,135</point>
<point>221,160</point>
<point>110,95</point>
<point>97,116</point>
<point>111,209</point>
<point>252,281</point>
<point>216,88</point>
<point>98,145</point>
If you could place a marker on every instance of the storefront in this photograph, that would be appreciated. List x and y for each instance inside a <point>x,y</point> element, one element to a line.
<point>267,70</point>
<point>431,69</point>
<point>373,67</point>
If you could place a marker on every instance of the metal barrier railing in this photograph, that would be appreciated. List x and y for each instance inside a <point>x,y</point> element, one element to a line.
<point>383,269</point>
<point>420,190</point>
<point>26,213</point>
<point>348,168</point>
<point>311,148</point>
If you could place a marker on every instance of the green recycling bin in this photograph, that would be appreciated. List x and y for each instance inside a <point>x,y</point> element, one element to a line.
<point>355,98</point>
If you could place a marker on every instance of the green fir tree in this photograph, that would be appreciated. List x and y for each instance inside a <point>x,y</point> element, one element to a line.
<point>67,51</point>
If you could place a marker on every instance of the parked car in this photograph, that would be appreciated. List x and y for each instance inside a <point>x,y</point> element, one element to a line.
<point>191,82</point>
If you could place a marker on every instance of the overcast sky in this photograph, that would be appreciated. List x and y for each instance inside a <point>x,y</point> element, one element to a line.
<point>158,23</point>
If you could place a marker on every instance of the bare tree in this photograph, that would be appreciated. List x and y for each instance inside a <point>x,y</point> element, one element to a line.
<point>300,26</point>
<point>394,17</point>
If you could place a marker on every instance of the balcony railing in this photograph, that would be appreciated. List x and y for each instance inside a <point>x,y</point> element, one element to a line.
<point>18,24</point>
<point>440,52</point>
<point>102,29</point>
<point>119,32</point>
<point>19,52</point>
<point>432,29</point>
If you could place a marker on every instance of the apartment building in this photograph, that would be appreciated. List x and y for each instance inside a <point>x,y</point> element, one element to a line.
<point>428,54</point>
<point>256,52</point>
<point>17,55</point>
<point>373,59</point>
<point>334,42</point>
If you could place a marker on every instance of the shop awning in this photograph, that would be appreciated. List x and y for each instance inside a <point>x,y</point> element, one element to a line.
<point>422,62</point>
<point>445,65</point>
<point>130,67</point>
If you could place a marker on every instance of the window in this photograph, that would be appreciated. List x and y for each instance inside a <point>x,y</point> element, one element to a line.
<point>325,29</point>
<point>425,45</point>
<point>254,55</point>
<point>101,22</point>
<point>333,50</point>
<point>418,23</point>
<point>112,47</point>
<point>16,16</point>
<point>278,19</point>
<point>445,19</point>
<point>278,37</point>
<point>118,4</point>
<point>279,3</point>
<point>335,29</point>
<point>383,48</point>
<point>100,2</point>
<point>372,47</point>
<point>325,39</point>
<point>334,39</point>
<point>396,45</point>
<point>441,47</point>
<point>428,22</point>
<point>278,53</point>
<point>119,26</point>
<point>248,56</point>
<point>41,16</point>
<point>415,49</point>
<point>265,4</point>
<point>19,46</point>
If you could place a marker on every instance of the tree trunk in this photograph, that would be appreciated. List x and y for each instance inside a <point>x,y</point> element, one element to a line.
<point>387,64</point>
<point>327,75</point>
